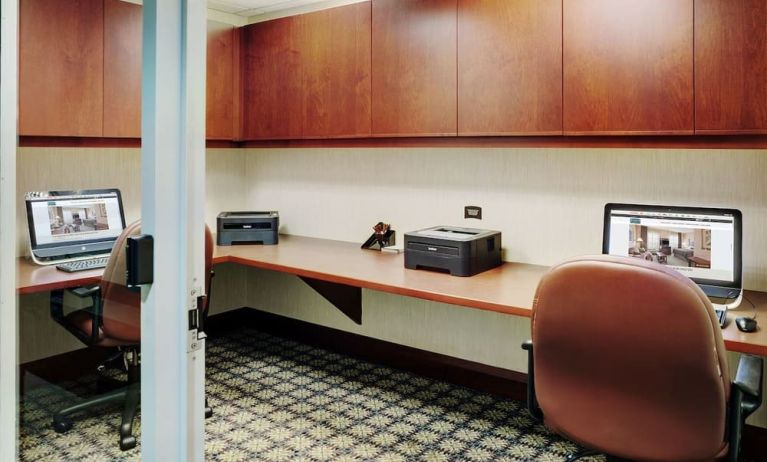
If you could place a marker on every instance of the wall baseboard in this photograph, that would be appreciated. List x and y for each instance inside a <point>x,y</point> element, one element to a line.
<point>498,381</point>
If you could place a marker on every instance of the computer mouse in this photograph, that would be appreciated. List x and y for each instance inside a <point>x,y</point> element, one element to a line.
<point>745,324</point>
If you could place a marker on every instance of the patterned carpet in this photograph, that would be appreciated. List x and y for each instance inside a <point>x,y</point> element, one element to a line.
<point>279,400</point>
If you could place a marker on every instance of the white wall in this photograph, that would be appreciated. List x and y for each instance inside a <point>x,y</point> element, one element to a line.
<point>49,169</point>
<point>547,202</point>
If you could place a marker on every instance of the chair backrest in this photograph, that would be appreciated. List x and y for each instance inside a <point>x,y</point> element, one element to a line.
<point>629,360</point>
<point>121,306</point>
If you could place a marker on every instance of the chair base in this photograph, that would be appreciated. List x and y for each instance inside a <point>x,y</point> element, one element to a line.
<point>130,394</point>
<point>590,453</point>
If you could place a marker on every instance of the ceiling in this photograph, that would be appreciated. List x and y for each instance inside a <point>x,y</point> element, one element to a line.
<point>247,8</point>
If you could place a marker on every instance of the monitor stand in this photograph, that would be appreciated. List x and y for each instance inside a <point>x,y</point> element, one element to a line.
<point>726,303</point>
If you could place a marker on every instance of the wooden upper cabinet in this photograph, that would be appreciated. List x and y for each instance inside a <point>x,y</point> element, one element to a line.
<point>122,69</point>
<point>61,72</point>
<point>414,67</point>
<point>308,76</point>
<point>628,66</point>
<point>222,82</point>
<point>509,67</point>
<point>335,59</point>
<point>731,66</point>
<point>273,106</point>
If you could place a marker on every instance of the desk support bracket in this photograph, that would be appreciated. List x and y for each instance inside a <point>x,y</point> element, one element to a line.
<point>347,299</point>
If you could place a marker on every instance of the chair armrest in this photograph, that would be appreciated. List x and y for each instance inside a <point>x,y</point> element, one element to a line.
<point>57,311</point>
<point>745,398</point>
<point>83,292</point>
<point>749,375</point>
<point>532,401</point>
<point>57,300</point>
<point>749,379</point>
<point>527,345</point>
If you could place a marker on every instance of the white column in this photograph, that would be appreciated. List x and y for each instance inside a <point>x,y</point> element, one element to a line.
<point>9,26</point>
<point>173,160</point>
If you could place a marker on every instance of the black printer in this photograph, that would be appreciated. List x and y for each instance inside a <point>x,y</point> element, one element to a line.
<point>459,251</point>
<point>248,228</point>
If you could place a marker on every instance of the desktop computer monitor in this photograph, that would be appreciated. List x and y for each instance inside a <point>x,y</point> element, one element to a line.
<point>701,243</point>
<point>67,225</point>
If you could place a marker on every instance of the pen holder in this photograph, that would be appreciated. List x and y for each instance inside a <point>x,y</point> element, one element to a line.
<point>378,241</point>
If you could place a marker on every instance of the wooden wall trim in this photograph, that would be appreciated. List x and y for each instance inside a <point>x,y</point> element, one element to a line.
<point>78,142</point>
<point>88,142</point>
<point>611,142</point>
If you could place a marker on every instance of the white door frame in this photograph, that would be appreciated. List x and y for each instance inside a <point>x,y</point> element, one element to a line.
<point>172,210</point>
<point>9,423</point>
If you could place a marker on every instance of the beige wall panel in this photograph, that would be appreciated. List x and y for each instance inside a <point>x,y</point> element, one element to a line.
<point>226,183</point>
<point>48,169</point>
<point>43,169</point>
<point>228,288</point>
<point>39,335</point>
<point>547,202</point>
<point>447,329</point>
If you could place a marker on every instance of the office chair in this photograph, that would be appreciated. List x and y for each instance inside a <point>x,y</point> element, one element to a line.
<point>627,359</point>
<point>114,321</point>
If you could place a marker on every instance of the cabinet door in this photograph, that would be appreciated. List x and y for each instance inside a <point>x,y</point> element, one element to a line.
<point>221,82</point>
<point>335,56</point>
<point>61,67</point>
<point>509,67</point>
<point>628,66</point>
<point>731,66</point>
<point>122,69</point>
<point>273,103</point>
<point>414,67</point>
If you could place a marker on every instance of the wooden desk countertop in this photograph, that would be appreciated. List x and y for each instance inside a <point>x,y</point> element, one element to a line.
<point>32,278</point>
<point>509,289</point>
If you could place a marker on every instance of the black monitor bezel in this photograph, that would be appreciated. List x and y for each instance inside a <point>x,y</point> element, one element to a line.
<point>31,227</point>
<point>737,216</point>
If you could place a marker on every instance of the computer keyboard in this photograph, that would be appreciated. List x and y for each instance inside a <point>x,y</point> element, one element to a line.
<point>83,265</point>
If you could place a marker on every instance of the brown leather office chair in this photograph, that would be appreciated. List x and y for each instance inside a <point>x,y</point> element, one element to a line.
<point>114,320</point>
<point>627,359</point>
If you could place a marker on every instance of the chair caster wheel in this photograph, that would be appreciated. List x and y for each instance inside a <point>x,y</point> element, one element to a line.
<point>61,424</point>
<point>127,442</point>
<point>208,412</point>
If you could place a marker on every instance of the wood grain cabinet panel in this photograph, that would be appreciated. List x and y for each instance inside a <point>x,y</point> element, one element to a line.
<point>509,67</point>
<point>414,67</point>
<point>222,82</point>
<point>731,66</point>
<point>61,71</point>
<point>122,69</point>
<point>335,57</point>
<point>628,66</point>
<point>272,82</point>
<point>308,76</point>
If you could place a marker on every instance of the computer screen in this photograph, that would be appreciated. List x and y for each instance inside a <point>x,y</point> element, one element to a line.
<point>72,222</point>
<point>701,243</point>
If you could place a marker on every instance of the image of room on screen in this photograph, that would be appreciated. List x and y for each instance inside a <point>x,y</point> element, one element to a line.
<point>78,219</point>
<point>690,247</point>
